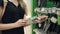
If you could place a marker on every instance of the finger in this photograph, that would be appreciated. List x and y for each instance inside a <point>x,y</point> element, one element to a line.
<point>40,18</point>
<point>26,24</point>
<point>45,18</point>
<point>23,24</point>
<point>24,21</point>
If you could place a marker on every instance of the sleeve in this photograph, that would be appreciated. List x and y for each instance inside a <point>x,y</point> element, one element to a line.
<point>1,2</point>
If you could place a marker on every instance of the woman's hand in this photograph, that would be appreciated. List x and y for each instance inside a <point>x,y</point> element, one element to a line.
<point>21,22</point>
<point>42,18</point>
<point>18,23</point>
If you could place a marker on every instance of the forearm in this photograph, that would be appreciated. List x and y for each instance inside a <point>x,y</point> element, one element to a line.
<point>8,26</point>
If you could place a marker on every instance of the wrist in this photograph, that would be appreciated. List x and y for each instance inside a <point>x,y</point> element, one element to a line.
<point>16,25</point>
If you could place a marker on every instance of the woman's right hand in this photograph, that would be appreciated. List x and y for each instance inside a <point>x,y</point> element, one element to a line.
<point>21,22</point>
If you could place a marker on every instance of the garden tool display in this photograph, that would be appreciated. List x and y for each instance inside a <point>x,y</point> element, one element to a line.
<point>51,23</point>
<point>50,9</point>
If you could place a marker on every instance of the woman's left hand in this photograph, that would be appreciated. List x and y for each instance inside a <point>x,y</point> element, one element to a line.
<point>42,18</point>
